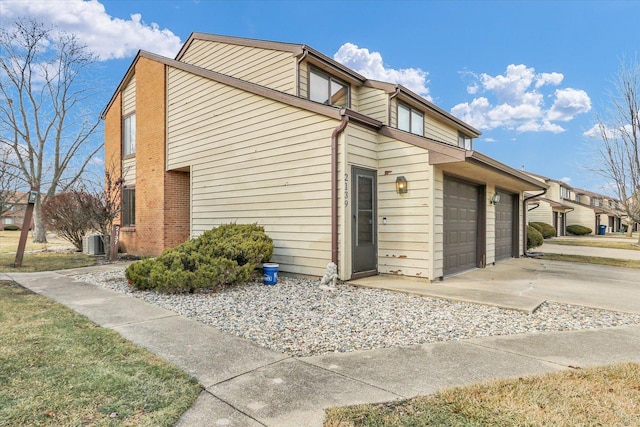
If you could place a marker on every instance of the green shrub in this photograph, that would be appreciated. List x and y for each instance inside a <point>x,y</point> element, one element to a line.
<point>534,237</point>
<point>537,226</point>
<point>546,230</point>
<point>228,254</point>
<point>11,227</point>
<point>578,230</point>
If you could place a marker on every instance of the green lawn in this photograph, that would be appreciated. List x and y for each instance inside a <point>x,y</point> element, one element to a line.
<point>605,396</point>
<point>595,243</point>
<point>614,262</point>
<point>59,369</point>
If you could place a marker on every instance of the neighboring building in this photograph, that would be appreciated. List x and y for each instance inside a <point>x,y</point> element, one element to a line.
<point>564,205</point>
<point>16,208</point>
<point>336,167</point>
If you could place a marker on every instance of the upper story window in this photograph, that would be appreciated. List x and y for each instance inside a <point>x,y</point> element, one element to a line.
<point>328,90</point>
<point>565,193</point>
<point>410,120</point>
<point>129,135</point>
<point>464,141</point>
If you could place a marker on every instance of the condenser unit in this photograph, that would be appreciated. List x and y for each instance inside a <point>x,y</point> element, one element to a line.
<point>92,244</point>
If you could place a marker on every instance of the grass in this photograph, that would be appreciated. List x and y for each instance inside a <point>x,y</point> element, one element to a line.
<point>45,261</point>
<point>594,243</point>
<point>39,261</point>
<point>613,262</point>
<point>59,369</point>
<point>587,397</point>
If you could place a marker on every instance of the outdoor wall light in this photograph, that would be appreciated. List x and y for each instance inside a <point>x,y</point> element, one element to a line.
<point>402,186</point>
<point>495,199</point>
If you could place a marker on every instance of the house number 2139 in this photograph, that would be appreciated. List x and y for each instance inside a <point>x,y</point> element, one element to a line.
<point>346,189</point>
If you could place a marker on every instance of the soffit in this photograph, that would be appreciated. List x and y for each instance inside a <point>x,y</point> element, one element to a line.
<point>481,169</point>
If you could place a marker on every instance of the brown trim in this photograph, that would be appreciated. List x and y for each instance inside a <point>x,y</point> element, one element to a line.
<point>432,145</point>
<point>363,274</point>
<point>485,161</point>
<point>293,48</point>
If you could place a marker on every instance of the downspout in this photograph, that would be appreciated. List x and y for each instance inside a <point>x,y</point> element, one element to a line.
<point>305,52</point>
<point>334,186</point>
<point>524,219</point>
<point>390,99</point>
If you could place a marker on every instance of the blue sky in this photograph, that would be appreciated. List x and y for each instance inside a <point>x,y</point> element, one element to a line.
<point>530,75</point>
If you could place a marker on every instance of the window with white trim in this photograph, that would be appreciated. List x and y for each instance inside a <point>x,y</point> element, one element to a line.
<point>129,135</point>
<point>410,120</point>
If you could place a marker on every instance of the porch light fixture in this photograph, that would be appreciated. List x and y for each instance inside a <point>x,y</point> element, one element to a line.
<point>402,186</point>
<point>495,199</point>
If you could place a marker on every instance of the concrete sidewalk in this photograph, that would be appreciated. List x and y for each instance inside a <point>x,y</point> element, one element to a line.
<point>247,385</point>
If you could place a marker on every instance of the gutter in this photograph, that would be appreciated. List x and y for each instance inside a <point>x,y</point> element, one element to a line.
<point>334,185</point>
<point>305,52</point>
<point>524,220</point>
<point>393,95</point>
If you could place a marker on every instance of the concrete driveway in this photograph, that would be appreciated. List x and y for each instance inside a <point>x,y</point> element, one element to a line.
<point>610,288</point>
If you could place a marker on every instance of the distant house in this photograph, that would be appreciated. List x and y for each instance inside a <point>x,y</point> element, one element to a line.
<point>15,210</point>
<point>335,166</point>
<point>564,205</point>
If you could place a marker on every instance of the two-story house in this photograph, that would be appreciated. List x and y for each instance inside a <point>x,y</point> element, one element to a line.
<point>335,166</point>
<point>14,210</point>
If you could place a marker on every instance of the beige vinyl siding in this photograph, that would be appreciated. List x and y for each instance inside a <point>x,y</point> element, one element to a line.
<point>129,170</point>
<point>404,241</point>
<point>543,213</point>
<point>439,131</point>
<point>129,97</point>
<point>271,68</point>
<point>254,160</point>
<point>373,103</point>
<point>582,215</point>
<point>437,247</point>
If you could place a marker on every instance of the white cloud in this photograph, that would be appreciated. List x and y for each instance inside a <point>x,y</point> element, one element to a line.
<point>108,37</point>
<point>516,100</point>
<point>371,65</point>
<point>566,180</point>
<point>568,104</point>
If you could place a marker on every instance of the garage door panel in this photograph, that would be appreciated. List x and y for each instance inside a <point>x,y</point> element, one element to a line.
<point>460,226</point>
<point>504,226</point>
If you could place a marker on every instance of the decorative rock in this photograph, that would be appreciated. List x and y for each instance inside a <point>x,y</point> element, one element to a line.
<point>296,318</point>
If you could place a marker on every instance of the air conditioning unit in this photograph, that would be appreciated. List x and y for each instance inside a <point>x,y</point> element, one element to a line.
<point>92,244</point>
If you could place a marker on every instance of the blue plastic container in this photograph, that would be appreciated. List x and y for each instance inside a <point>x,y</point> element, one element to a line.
<point>603,230</point>
<point>270,273</point>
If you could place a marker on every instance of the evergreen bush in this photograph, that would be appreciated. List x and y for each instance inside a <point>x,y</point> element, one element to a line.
<point>534,237</point>
<point>578,230</point>
<point>546,230</point>
<point>537,226</point>
<point>227,255</point>
<point>11,227</point>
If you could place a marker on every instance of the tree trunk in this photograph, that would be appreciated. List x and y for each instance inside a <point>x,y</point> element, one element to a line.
<point>40,232</point>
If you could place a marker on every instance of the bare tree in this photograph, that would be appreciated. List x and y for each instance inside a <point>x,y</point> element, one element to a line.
<point>10,181</point>
<point>619,148</point>
<point>45,119</point>
<point>108,204</point>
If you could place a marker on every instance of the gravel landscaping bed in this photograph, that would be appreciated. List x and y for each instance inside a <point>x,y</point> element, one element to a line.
<point>298,318</point>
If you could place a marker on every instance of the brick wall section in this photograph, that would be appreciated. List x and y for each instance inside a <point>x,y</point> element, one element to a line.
<point>162,198</point>
<point>176,213</point>
<point>150,156</point>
